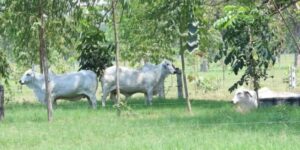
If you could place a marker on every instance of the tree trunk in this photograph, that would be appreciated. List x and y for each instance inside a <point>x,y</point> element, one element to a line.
<point>115,27</point>
<point>291,33</point>
<point>223,70</point>
<point>1,102</point>
<point>189,107</point>
<point>179,84</point>
<point>44,61</point>
<point>296,60</point>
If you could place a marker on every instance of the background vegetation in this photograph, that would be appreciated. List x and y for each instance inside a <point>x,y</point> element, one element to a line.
<point>258,40</point>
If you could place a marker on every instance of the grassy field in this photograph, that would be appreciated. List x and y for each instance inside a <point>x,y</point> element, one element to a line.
<point>214,76</point>
<point>165,125</point>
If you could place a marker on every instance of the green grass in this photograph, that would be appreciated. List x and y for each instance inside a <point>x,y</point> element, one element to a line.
<point>165,125</point>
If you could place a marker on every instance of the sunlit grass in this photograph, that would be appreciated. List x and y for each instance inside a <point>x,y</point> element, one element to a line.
<point>165,125</point>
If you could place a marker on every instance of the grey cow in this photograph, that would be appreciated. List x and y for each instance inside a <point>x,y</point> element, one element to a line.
<point>136,81</point>
<point>70,86</point>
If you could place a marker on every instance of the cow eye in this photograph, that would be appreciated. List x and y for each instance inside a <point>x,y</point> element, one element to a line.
<point>27,74</point>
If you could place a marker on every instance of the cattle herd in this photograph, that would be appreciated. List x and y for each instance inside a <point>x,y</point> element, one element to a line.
<point>146,80</point>
<point>73,86</point>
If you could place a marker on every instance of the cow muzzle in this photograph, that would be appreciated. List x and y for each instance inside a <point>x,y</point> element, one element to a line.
<point>21,82</point>
<point>177,70</point>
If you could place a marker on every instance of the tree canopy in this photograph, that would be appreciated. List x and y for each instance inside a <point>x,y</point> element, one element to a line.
<point>248,34</point>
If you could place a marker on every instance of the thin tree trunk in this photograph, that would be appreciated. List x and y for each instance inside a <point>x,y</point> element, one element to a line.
<point>189,107</point>
<point>289,30</point>
<point>223,71</point>
<point>296,58</point>
<point>179,84</point>
<point>44,61</point>
<point>1,102</point>
<point>115,26</point>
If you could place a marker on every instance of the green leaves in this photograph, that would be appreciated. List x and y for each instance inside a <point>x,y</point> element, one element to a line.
<point>4,66</point>
<point>247,34</point>
<point>96,53</point>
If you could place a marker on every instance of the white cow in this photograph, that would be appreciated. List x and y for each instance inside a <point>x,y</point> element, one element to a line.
<point>245,100</point>
<point>66,86</point>
<point>136,81</point>
<point>145,67</point>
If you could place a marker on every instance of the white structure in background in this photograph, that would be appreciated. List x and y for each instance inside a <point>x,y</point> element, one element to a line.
<point>292,78</point>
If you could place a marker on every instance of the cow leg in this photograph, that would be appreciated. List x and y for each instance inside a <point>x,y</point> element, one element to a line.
<point>149,96</point>
<point>104,95</point>
<point>113,97</point>
<point>146,98</point>
<point>92,100</point>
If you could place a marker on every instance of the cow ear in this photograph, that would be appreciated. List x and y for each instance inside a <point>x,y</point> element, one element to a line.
<point>247,93</point>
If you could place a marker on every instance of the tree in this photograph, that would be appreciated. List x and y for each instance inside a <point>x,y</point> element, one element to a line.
<point>173,19</point>
<point>247,44</point>
<point>96,52</point>
<point>21,23</point>
<point>116,37</point>
<point>43,57</point>
<point>25,24</point>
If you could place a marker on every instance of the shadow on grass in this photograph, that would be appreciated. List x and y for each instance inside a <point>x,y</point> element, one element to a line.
<point>207,114</point>
<point>221,115</point>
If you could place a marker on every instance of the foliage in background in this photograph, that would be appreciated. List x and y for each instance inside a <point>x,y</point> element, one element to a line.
<point>20,23</point>
<point>96,53</point>
<point>247,37</point>
<point>4,66</point>
<point>205,84</point>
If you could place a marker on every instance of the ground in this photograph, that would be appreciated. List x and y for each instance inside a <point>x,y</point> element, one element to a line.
<point>165,125</point>
<point>214,123</point>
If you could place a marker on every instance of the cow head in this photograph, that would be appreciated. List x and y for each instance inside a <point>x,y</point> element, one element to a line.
<point>27,76</point>
<point>169,66</point>
<point>241,95</point>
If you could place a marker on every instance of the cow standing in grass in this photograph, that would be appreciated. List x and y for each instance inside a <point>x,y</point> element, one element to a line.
<point>136,81</point>
<point>70,86</point>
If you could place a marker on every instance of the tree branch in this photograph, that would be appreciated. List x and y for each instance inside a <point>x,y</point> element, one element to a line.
<point>284,21</point>
<point>278,10</point>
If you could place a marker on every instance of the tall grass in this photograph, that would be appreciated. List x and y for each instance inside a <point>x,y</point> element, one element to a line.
<point>165,125</point>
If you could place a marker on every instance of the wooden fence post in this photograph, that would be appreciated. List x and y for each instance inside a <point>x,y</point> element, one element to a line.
<point>1,102</point>
<point>161,90</point>
<point>179,83</point>
<point>292,77</point>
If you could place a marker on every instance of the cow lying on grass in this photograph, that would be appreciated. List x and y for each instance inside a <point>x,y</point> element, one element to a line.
<point>136,81</point>
<point>246,99</point>
<point>70,86</point>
